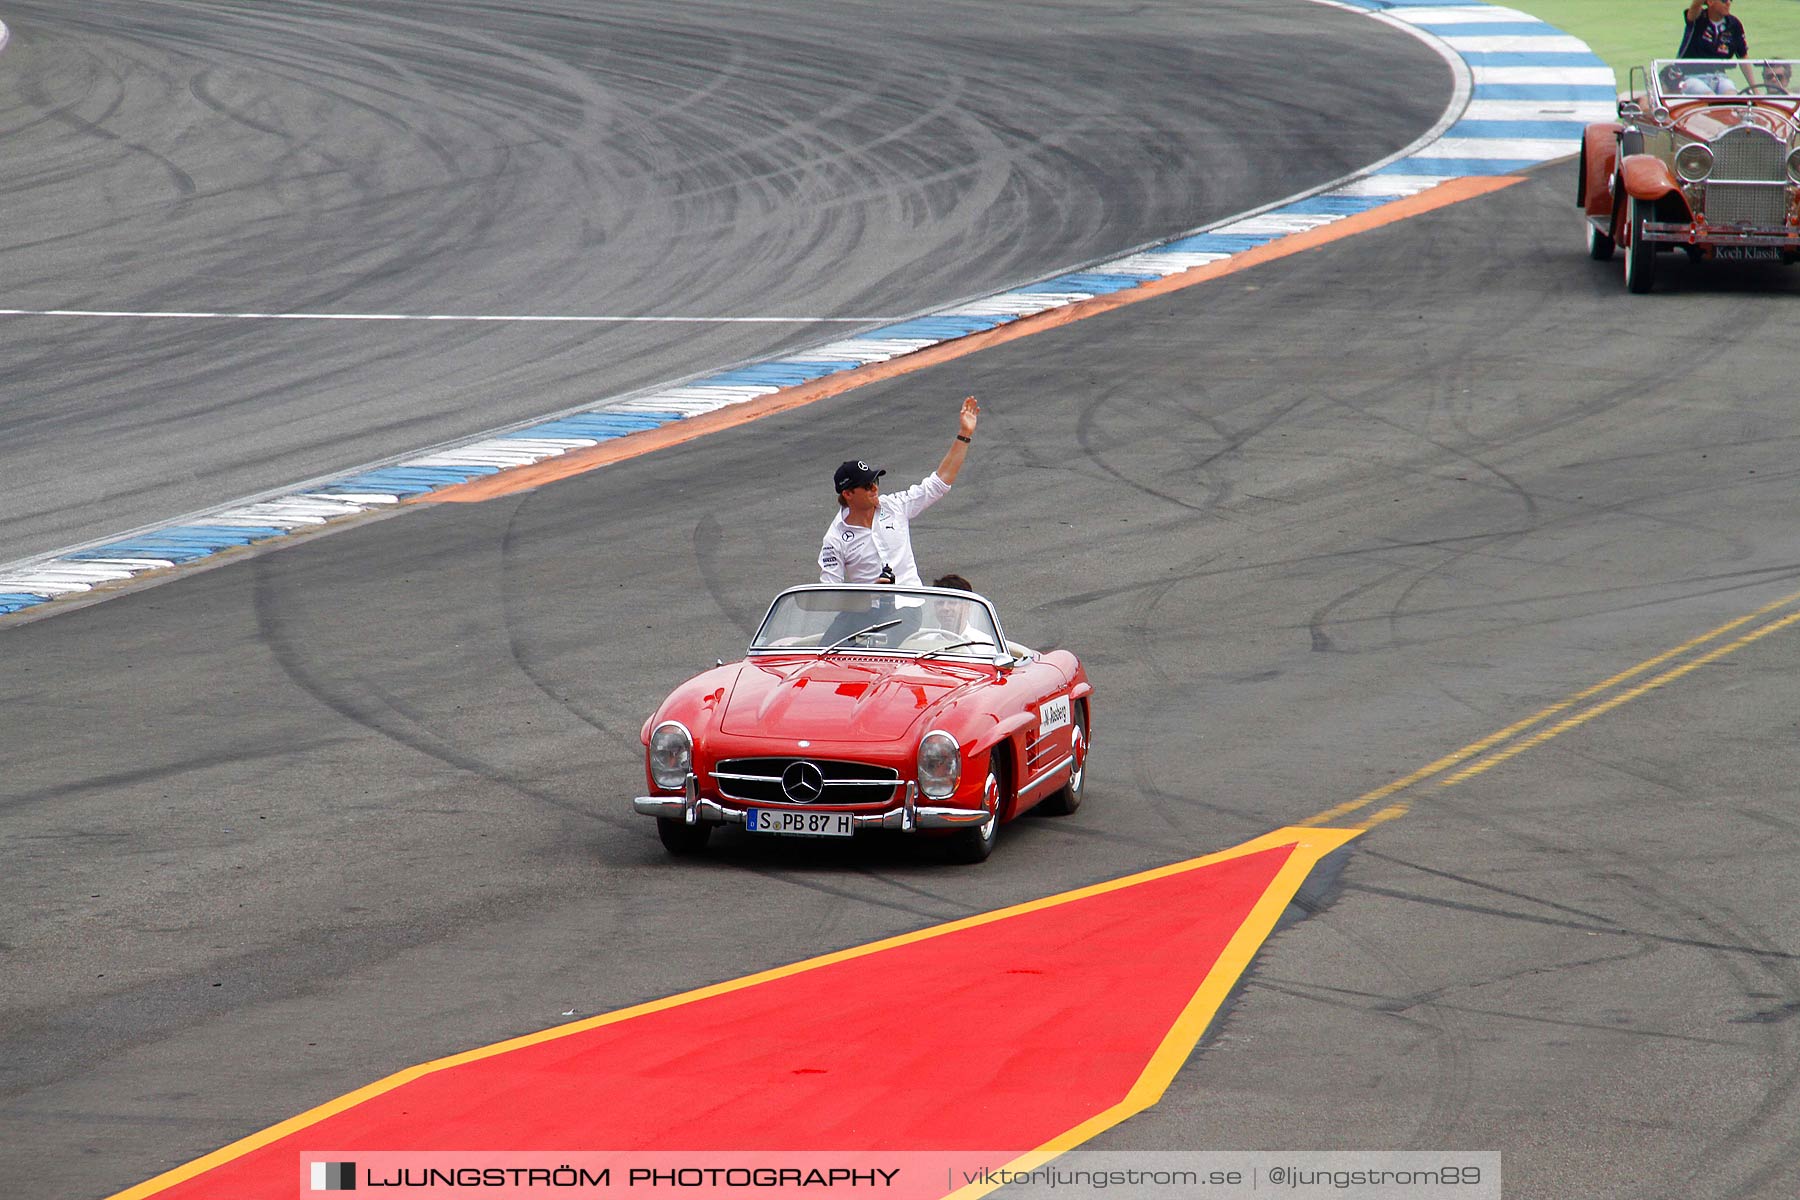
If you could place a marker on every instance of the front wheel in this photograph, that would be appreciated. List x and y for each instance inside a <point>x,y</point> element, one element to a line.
<point>1640,255</point>
<point>975,843</point>
<point>680,838</point>
<point>1067,798</point>
<point>1599,245</point>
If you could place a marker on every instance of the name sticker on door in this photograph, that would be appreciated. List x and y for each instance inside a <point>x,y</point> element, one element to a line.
<point>1054,715</point>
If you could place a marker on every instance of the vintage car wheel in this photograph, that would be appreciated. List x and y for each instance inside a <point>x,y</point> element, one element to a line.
<point>1067,798</point>
<point>678,837</point>
<point>974,844</point>
<point>1640,255</point>
<point>1600,245</point>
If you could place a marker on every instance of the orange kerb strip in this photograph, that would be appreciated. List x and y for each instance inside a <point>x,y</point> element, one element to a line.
<point>579,462</point>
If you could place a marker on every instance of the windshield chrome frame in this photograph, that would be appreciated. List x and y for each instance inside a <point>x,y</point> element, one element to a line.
<point>1730,67</point>
<point>1000,654</point>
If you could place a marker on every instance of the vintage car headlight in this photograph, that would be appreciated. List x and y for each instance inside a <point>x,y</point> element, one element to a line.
<point>1694,162</point>
<point>940,764</point>
<point>1793,165</point>
<point>671,754</point>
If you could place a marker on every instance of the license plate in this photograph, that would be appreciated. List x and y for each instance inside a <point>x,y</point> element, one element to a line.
<point>798,824</point>
<point>1746,253</point>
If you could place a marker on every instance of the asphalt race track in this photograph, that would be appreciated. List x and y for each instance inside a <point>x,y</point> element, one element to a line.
<point>696,160</point>
<point>279,828</point>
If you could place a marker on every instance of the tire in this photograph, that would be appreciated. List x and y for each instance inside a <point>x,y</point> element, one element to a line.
<point>681,839</point>
<point>1640,255</point>
<point>974,844</point>
<point>1067,798</point>
<point>1599,245</point>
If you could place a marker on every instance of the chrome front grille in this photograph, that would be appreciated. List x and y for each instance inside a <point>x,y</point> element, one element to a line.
<point>805,781</point>
<point>1757,205</point>
<point>1749,155</point>
<point>1748,185</point>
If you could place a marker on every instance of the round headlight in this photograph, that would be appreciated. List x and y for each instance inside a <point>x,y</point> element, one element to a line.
<point>1694,162</point>
<point>1793,165</point>
<point>671,754</point>
<point>1660,115</point>
<point>940,764</point>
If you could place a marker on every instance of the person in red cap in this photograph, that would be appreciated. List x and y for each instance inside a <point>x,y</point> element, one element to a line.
<point>870,540</point>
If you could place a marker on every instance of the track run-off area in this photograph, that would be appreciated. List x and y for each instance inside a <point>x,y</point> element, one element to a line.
<point>1425,548</point>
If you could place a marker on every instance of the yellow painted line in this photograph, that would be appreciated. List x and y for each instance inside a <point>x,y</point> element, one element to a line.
<point>579,462</point>
<point>1613,702</point>
<point>1477,748</point>
<point>1311,845</point>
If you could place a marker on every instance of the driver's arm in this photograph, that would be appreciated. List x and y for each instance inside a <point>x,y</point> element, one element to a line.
<point>965,432</point>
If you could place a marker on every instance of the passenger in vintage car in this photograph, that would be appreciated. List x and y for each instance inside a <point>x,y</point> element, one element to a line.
<point>1712,32</point>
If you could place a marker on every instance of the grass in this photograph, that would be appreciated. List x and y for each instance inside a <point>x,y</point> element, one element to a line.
<point>1628,33</point>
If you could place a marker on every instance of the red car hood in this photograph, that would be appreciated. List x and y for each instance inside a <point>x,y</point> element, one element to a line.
<point>835,698</point>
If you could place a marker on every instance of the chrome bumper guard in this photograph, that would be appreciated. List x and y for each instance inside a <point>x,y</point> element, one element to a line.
<point>690,808</point>
<point>1688,235</point>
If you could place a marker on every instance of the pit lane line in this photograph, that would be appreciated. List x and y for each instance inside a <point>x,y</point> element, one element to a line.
<point>1523,92</point>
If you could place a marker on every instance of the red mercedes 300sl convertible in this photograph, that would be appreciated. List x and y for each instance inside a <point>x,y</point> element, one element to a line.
<point>867,707</point>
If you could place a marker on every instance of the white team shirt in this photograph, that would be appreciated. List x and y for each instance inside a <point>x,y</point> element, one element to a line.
<point>852,554</point>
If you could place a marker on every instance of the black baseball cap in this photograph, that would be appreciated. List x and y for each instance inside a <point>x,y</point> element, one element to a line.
<point>854,473</point>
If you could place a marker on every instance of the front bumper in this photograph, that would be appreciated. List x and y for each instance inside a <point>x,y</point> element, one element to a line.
<point>691,808</point>
<point>1688,234</point>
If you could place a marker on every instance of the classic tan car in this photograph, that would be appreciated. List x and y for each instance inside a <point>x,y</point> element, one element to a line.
<point>1705,156</point>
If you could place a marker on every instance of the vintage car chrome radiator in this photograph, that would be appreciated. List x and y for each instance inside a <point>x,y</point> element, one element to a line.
<point>1749,179</point>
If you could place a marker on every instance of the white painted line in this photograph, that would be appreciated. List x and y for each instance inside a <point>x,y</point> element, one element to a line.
<point>310,506</point>
<point>571,318</point>
<point>481,458</point>
<point>1171,262</point>
<point>71,572</point>
<point>1496,44</point>
<point>895,345</point>
<point>1390,185</point>
<point>1573,76</point>
<point>133,564</point>
<point>1016,305</point>
<point>655,404</point>
<point>1278,223</point>
<point>729,393</point>
<point>43,586</point>
<point>358,498</point>
<point>263,521</point>
<point>848,351</point>
<point>1534,149</point>
<point>1585,111</point>
<point>1474,14</point>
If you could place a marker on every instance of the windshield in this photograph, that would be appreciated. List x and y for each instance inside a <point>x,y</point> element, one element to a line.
<point>915,622</point>
<point>1677,79</point>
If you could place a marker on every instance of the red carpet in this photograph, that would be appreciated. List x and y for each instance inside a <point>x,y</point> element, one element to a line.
<point>1002,1033</point>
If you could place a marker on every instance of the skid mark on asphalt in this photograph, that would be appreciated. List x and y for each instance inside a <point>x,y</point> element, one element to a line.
<point>579,462</point>
<point>1013,1035</point>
